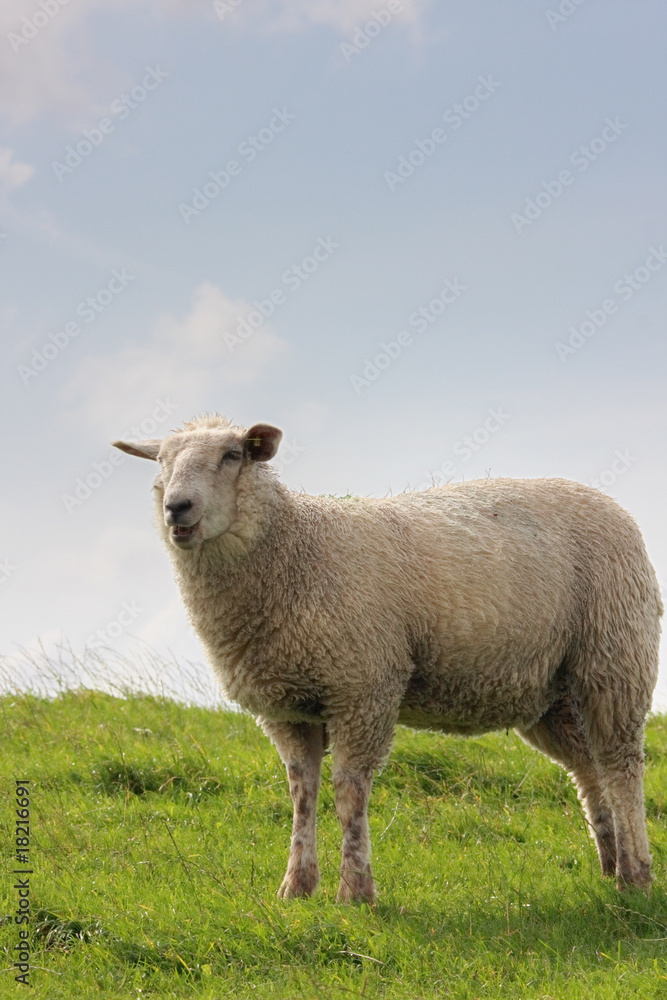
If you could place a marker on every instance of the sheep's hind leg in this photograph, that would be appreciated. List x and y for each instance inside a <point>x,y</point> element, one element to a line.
<point>560,735</point>
<point>623,783</point>
<point>617,742</point>
<point>301,747</point>
<point>613,717</point>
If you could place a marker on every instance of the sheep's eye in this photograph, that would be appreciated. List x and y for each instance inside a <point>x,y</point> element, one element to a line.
<point>231,456</point>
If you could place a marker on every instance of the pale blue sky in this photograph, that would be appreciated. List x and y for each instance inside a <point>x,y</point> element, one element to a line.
<point>351,255</point>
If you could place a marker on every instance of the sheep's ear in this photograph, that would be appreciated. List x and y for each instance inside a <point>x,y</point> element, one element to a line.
<point>261,442</point>
<point>142,449</point>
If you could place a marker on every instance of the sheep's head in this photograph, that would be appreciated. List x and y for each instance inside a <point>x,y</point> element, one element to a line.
<point>200,469</point>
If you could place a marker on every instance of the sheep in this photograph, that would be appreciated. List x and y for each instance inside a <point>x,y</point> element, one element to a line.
<point>464,608</point>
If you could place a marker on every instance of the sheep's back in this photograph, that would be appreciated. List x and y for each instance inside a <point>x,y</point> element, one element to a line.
<point>491,586</point>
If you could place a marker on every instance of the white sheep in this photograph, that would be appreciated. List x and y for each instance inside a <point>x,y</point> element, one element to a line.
<point>465,608</point>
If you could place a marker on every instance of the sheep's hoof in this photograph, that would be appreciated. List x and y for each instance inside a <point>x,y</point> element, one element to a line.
<point>356,887</point>
<point>298,883</point>
<point>623,886</point>
<point>633,876</point>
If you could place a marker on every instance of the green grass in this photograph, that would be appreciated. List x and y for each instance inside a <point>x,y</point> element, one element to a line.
<point>159,836</point>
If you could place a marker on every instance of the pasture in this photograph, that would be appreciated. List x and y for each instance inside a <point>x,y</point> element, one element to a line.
<point>159,836</point>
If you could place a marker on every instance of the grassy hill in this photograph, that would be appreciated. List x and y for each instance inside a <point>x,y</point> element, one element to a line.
<point>159,836</point>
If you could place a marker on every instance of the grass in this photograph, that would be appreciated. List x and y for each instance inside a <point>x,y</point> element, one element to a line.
<point>159,835</point>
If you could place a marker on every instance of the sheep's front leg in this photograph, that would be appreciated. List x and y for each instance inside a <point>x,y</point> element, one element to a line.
<point>361,741</point>
<point>301,747</point>
<point>352,795</point>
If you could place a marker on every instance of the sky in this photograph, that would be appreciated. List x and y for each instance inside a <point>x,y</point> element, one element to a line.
<point>427,240</point>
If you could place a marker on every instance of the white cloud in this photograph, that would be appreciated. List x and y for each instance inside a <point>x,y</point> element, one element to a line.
<point>49,62</point>
<point>13,173</point>
<point>182,359</point>
<point>38,70</point>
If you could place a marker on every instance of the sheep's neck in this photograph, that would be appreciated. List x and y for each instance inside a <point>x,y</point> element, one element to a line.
<point>232,584</point>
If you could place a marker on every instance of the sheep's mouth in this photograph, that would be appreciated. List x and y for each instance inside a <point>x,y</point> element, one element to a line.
<point>181,533</point>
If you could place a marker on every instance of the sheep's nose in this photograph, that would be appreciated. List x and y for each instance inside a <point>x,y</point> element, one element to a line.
<point>176,510</point>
